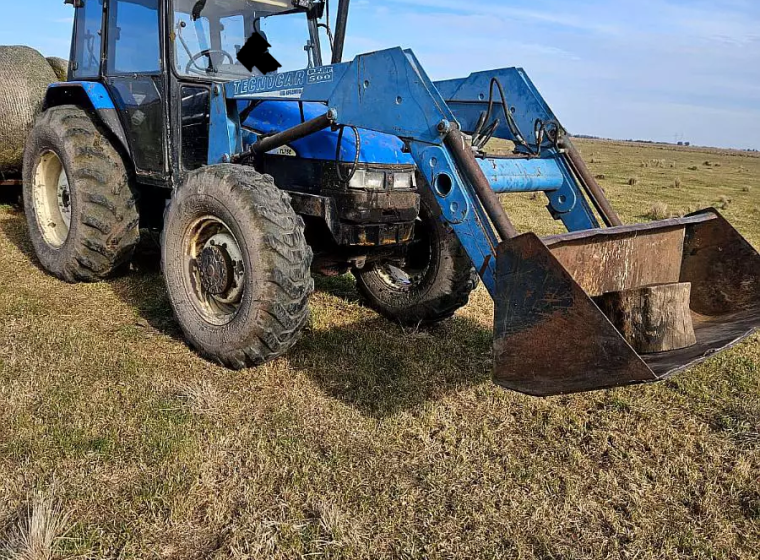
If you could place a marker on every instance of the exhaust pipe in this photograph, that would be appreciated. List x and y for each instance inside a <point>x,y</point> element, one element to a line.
<point>341,25</point>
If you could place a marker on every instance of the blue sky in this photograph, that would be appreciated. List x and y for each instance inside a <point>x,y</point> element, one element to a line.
<point>651,69</point>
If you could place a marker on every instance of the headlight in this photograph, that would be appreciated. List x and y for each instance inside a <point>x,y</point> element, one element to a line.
<point>364,179</point>
<point>403,181</point>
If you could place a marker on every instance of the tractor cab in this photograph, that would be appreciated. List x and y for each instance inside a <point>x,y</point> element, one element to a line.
<point>158,60</point>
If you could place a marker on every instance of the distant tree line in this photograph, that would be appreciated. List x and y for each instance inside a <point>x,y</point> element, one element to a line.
<point>685,144</point>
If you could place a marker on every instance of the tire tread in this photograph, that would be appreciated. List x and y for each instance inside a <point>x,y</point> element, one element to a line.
<point>284,306</point>
<point>108,211</point>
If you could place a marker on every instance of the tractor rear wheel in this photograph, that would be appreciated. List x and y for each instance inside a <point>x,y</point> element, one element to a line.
<point>435,281</point>
<point>237,266</point>
<point>78,198</point>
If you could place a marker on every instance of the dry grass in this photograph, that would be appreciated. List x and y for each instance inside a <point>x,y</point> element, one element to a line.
<point>33,534</point>
<point>658,211</point>
<point>201,398</point>
<point>368,441</point>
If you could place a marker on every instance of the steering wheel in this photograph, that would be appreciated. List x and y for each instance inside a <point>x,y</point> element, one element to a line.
<point>207,53</point>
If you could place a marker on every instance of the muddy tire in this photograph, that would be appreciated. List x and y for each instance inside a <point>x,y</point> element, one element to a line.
<point>237,266</point>
<point>78,198</point>
<point>437,280</point>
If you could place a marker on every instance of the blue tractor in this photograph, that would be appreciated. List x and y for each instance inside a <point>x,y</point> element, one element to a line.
<point>259,180</point>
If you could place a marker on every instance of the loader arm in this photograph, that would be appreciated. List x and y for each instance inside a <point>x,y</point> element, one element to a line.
<point>388,92</point>
<point>551,336</point>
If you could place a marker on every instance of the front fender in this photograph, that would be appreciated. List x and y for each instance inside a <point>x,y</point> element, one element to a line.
<point>93,97</point>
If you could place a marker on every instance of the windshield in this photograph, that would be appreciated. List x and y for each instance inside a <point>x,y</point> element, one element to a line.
<point>209,34</point>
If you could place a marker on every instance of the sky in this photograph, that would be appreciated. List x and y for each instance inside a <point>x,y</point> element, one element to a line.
<point>661,70</point>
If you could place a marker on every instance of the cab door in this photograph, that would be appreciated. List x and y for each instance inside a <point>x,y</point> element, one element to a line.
<point>135,77</point>
<point>87,46</point>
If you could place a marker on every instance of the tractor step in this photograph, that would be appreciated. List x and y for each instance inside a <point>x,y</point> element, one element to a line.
<point>550,337</point>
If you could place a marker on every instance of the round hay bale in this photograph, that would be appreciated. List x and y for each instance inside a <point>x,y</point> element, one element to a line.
<point>60,67</point>
<point>24,78</point>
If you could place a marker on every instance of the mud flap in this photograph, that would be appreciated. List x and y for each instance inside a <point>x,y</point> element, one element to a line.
<point>550,337</point>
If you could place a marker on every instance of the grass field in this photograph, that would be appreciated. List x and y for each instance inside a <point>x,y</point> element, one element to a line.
<point>367,441</point>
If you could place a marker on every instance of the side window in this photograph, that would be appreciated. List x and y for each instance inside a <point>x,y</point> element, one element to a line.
<point>233,34</point>
<point>195,121</point>
<point>192,37</point>
<point>89,20</point>
<point>279,31</point>
<point>134,45</point>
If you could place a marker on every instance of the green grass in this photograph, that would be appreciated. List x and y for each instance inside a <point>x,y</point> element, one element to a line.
<point>368,441</point>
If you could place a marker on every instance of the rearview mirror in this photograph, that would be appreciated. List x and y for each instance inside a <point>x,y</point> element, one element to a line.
<point>317,10</point>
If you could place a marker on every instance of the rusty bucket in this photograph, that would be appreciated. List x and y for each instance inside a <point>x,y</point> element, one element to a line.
<point>551,338</point>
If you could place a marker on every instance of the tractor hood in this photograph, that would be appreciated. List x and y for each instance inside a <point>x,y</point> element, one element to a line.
<point>270,117</point>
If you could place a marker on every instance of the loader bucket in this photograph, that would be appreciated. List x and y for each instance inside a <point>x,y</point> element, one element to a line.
<point>550,337</point>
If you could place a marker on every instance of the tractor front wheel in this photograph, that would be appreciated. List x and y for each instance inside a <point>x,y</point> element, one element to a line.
<point>237,266</point>
<point>434,282</point>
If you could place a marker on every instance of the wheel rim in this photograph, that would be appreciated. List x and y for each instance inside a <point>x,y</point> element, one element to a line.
<point>215,270</point>
<point>418,262</point>
<point>51,196</point>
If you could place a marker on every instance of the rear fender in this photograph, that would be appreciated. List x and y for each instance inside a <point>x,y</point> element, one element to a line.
<point>93,97</point>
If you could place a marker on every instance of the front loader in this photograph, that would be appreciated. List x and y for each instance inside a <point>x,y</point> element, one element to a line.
<point>367,166</point>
